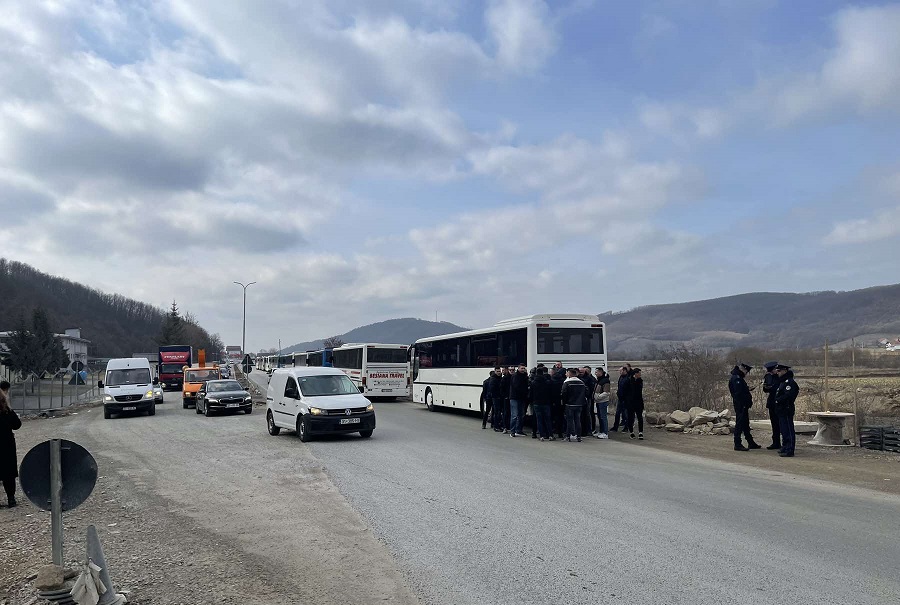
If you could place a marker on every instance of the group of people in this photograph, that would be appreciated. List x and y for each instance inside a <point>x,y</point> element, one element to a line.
<point>571,403</point>
<point>9,422</point>
<point>781,390</point>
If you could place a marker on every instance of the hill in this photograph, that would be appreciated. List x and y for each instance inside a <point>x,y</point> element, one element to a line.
<point>116,326</point>
<point>395,331</point>
<point>763,319</point>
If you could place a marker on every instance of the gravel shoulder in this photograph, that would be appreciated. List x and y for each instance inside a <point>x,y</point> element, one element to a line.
<point>203,510</point>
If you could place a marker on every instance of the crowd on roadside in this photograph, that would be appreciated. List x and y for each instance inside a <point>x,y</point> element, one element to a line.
<point>781,394</point>
<point>569,403</point>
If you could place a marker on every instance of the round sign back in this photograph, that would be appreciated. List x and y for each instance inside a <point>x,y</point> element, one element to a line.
<point>79,474</point>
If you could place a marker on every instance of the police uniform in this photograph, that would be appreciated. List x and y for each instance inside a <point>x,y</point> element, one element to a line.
<point>785,396</point>
<point>770,385</point>
<point>743,401</point>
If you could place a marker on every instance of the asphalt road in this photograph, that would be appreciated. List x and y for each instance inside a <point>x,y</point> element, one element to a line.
<point>476,517</point>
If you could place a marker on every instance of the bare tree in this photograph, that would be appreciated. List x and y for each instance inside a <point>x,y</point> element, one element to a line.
<point>332,342</point>
<point>691,377</point>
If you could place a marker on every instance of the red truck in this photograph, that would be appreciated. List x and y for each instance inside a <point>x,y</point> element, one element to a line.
<point>172,360</point>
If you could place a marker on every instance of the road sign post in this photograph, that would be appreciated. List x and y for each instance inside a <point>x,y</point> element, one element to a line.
<point>56,527</point>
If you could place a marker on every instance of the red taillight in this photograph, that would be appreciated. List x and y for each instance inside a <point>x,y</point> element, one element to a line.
<point>364,381</point>
<point>543,325</point>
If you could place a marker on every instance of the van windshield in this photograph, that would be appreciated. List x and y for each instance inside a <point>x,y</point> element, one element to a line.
<point>321,386</point>
<point>115,378</point>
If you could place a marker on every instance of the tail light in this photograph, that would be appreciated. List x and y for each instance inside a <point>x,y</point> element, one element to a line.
<point>364,381</point>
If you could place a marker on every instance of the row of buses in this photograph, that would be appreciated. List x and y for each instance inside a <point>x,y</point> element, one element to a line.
<point>449,370</point>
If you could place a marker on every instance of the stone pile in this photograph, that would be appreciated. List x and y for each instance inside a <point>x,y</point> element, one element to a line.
<point>696,421</point>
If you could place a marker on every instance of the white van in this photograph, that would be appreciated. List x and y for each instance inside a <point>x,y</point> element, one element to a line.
<point>315,401</point>
<point>128,387</point>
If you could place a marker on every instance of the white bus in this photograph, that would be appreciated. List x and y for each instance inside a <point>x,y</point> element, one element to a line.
<point>299,360</point>
<point>449,370</point>
<point>377,370</point>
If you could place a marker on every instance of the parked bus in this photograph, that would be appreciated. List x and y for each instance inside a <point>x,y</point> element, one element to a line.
<point>320,358</point>
<point>449,370</point>
<point>377,370</point>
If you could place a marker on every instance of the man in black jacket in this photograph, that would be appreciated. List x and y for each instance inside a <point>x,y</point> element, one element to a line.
<point>542,392</point>
<point>572,398</point>
<point>518,400</point>
<point>558,410</point>
<point>505,379</point>
<point>636,403</point>
<point>587,418</point>
<point>743,401</point>
<point>622,399</point>
<point>487,402</point>
<point>770,385</point>
<point>785,396</point>
<point>496,391</point>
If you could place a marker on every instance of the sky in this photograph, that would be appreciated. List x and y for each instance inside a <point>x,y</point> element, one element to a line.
<point>464,160</point>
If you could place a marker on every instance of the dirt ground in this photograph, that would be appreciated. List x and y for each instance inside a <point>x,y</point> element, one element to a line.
<point>874,470</point>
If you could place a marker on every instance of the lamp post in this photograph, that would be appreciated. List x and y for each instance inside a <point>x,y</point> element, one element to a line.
<point>244,329</point>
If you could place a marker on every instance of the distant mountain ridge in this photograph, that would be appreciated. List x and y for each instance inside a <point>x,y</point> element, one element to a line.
<point>761,319</point>
<point>393,331</point>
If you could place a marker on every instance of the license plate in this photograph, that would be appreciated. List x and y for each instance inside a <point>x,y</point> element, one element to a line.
<point>386,390</point>
<point>232,405</point>
<point>349,420</point>
<point>129,408</point>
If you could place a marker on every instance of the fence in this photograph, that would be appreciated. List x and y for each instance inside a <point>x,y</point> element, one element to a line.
<point>880,438</point>
<point>34,395</point>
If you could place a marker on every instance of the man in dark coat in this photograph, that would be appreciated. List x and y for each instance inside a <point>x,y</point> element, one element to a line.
<point>572,397</point>
<point>587,418</point>
<point>487,402</point>
<point>542,392</point>
<point>557,410</point>
<point>494,386</point>
<point>622,399</point>
<point>9,467</point>
<point>635,403</point>
<point>518,400</point>
<point>505,381</point>
<point>785,396</point>
<point>743,401</point>
<point>770,385</point>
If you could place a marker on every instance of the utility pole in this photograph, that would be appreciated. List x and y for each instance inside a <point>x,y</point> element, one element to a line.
<point>244,328</point>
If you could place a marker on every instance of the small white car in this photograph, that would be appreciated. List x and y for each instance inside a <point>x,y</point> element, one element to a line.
<point>316,401</point>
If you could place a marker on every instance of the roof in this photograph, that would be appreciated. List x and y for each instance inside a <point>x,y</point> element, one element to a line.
<point>310,371</point>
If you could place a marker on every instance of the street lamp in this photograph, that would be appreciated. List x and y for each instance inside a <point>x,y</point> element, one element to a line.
<point>244,330</point>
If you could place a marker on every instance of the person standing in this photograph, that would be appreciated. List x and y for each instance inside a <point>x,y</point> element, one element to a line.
<point>558,410</point>
<point>743,401</point>
<point>587,414</point>
<point>770,385</point>
<point>785,396</point>
<point>496,393</point>
<point>9,465</point>
<point>636,403</point>
<point>542,391</point>
<point>622,399</point>
<point>518,400</point>
<point>487,402</point>
<point>601,401</point>
<point>572,397</point>
<point>505,381</point>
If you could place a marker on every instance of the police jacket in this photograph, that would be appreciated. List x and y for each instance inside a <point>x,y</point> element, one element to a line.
<point>505,381</point>
<point>494,387</point>
<point>519,387</point>
<point>770,385</point>
<point>543,390</point>
<point>740,392</point>
<point>786,395</point>
<point>636,394</point>
<point>572,392</point>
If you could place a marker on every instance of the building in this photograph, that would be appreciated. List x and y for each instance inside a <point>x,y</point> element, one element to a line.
<point>76,347</point>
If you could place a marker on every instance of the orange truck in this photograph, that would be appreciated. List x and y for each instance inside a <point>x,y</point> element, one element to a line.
<point>194,377</point>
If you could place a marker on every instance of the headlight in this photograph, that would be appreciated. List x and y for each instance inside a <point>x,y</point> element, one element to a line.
<point>213,400</point>
<point>370,408</point>
<point>248,399</point>
<point>149,394</point>
<point>107,398</point>
<point>316,411</point>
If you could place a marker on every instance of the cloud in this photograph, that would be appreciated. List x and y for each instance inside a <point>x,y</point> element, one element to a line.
<point>522,33</point>
<point>884,224</point>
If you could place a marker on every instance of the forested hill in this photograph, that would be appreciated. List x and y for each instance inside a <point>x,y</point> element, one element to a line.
<point>764,319</point>
<point>393,331</point>
<point>115,325</point>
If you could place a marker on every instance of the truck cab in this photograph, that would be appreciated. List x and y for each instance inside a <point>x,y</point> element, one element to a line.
<point>193,379</point>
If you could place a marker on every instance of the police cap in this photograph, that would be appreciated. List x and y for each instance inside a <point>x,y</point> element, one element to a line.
<point>746,367</point>
<point>771,365</point>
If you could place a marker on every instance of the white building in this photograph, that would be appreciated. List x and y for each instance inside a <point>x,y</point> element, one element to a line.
<point>76,346</point>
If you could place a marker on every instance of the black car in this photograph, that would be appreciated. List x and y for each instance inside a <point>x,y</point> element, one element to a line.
<point>223,395</point>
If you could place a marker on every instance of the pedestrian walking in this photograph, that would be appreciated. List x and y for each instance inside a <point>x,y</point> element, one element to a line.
<point>487,402</point>
<point>541,394</point>
<point>518,400</point>
<point>9,464</point>
<point>601,402</point>
<point>572,397</point>
<point>636,403</point>
<point>743,401</point>
<point>622,399</point>
<point>770,385</point>
<point>785,397</point>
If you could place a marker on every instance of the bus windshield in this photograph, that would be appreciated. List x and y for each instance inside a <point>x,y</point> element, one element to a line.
<point>573,341</point>
<point>321,386</point>
<point>375,355</point>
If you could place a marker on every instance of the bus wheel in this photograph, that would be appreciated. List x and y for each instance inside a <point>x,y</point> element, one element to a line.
<point>429,400</point>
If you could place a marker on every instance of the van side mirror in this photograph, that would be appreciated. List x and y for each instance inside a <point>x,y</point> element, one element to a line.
<point>99,384</point>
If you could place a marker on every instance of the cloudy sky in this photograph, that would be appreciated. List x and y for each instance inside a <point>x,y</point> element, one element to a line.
<point>364,160</point>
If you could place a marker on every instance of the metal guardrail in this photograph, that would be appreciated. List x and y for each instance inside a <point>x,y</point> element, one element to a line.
<point>880,438</point>
<point>35,395</point>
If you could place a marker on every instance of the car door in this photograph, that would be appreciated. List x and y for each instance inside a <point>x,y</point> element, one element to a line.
<point>291,398</point>
<point>275,401</point>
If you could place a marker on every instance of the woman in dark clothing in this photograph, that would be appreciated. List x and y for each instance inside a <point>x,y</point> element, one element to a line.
<point>9,467</point>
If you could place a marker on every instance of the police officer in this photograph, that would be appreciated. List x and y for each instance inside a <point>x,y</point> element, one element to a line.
<point>743,401</point>
<point>770,385</point>
<point>785,396</point>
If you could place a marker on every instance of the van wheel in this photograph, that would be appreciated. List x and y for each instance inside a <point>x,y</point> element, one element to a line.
<point>365,434</point>
<point>106,414</point>
<point>301,430</point>
<point>429,400</point>
<point>270,424</point>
